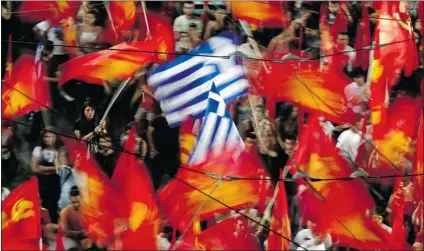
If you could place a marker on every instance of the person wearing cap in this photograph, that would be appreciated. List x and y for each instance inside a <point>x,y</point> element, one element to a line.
<point>357,92</point>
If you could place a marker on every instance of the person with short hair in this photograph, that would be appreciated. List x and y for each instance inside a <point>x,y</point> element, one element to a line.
<point>358,92</point>
<point>182,23</point>
<point>216,26</point>
<point>71,223</point>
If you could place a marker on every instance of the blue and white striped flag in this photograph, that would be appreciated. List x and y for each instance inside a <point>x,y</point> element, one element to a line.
<point>218,132</point>
<point>38,60</point>
<point>182,86</point>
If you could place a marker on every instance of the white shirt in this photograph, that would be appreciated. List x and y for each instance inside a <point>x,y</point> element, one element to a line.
<point>4,193</point>
<point>162,243</point>
<point>305,239</point>
<point>349,142</point>
<point>353,90</point>
<point>46,156</point>
<point>182,23</point>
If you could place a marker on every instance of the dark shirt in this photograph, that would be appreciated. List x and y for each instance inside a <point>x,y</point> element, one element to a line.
<point>107,163</point>
<point>165,138</point>
<point>85,127</point>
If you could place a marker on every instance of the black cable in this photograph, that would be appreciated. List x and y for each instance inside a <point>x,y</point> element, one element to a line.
<point>237,211</point>
<point>216,56</point>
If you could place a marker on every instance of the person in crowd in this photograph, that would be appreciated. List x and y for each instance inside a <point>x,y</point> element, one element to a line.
<point>243,112</point>
<point>182,23</point>
<point>67,179</point>
<point>70,222</point>
<point>219,24</point>
<point>87,127</point>
<point>194,36</point>
<point>242,235</point>
<point>106,156</point>
<point>89,33</point>
<point>349,140</point>
<point>309,239</point>
<point>44,164</point>
<point>287,122</point>
<point>343,54</point>
<point>84,8</point>
<point>358,92</point>
<point>164,146</point>
<point>312,44</point>
<point>163,238</point>
<point>147,99</point>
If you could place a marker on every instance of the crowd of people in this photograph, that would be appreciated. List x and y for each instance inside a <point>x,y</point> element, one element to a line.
<point>78,108</point>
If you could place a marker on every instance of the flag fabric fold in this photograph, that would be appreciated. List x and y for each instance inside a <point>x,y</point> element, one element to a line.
<point>54,11</point>
<point>314,91</point>
<point>116,63</point>
<point>180,200</point>
<point>338,213</point>
<point>98,198</point>
<point>132,182</point>
<point>280,221</point>
<point>27,90</point>
<point>182,86</point>
<point>400,132</point>
<point>363,39</point>
<point>269,14</point>
<point>20,218</point>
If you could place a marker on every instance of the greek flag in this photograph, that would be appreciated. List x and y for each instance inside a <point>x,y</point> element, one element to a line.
<point>182,86</point>
<point>218,131</point>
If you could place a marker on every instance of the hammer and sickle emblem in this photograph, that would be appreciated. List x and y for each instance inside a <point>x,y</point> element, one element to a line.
<point>22,209</point>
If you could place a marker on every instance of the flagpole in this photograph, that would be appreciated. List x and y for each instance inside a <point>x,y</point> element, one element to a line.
<point>217,183</point>
<point>253,43</point>
<point>148,34</point>
<point>106,4</point>
<point>267,212</point>
<point>115,97</point>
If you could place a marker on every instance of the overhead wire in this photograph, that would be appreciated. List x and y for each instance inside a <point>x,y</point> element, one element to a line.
<point>312,179</point>
<point>214,56</point>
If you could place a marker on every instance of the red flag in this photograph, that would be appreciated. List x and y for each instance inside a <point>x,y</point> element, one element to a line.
<point>162,32</point>
<point>123,14</point>
<point>339,213</point>
<point>419,161</point>
<point>25,91</point>
<point>98,199</point>
<point>314,91</point>
<point>59,240</point>
<point>117,63</point>
<point>180,200</point>
<point>261,14</point>
<point>363,39</point>
<point>20,218</point>
<point>379,97</point>
<point>221,236</point>
<point>70,36</point>
<point>133,183</point>
<point>399,133</point>
<point>398,230</point>
<point>399,51</point>
<point>54,11</point>
<point>280,221</point>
